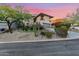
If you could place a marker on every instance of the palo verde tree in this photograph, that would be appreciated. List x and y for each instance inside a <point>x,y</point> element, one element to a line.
<point>11,15</point>
<point>21,16</point>
<point>6,14</point>
<point>74,16</point>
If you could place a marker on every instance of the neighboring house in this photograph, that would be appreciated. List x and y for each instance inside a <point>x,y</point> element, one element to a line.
<point>75,27</point>
<point>29,22</point>
<point>14,26</point>
<point>3,26</point>
<point>43,19</point>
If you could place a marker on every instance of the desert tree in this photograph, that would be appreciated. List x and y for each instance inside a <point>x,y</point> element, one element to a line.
<point>11,15</point>
<point>6,14</point>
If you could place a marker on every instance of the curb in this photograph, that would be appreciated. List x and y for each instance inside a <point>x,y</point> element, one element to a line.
<point>32,41</point>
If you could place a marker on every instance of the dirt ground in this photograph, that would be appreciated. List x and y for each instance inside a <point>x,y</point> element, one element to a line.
<point>20,36</point>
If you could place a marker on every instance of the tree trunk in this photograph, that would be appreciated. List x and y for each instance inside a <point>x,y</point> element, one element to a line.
<point>9,26</point>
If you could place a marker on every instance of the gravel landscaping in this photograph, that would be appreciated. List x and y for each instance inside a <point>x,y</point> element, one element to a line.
<point>20,36</point>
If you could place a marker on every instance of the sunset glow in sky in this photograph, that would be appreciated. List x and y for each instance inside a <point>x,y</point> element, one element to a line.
<point>54,9</point>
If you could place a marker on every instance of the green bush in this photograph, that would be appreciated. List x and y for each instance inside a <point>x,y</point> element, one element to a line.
<point>47,34</point>
<point>62,29</point>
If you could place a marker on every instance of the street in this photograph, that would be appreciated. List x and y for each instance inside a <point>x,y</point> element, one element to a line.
<point>49,48</point>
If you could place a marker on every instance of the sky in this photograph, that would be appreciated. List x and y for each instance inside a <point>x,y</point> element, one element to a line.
<point>54,9</point>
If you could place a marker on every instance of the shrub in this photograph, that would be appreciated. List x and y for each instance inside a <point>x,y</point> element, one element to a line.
<point>62,29</point>
<point>47,34</point>
<point>62,26</point>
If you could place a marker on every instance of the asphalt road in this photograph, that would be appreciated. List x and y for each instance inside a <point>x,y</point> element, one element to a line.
<point>54,48</point>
